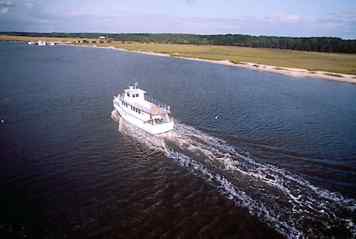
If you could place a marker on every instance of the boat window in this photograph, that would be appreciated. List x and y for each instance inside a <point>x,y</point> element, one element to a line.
<point>136,95</point>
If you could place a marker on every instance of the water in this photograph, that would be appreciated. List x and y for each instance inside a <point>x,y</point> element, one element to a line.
<point>254,154</point>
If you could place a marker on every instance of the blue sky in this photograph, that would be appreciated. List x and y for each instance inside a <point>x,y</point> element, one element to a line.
<point>275,17</point>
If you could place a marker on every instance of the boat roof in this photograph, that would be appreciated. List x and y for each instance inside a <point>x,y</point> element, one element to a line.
<point>144,105</point>
<point>133,90</point>
<point>150,108</point>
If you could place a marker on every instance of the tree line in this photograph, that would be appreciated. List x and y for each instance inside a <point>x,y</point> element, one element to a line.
<point>319,44</point>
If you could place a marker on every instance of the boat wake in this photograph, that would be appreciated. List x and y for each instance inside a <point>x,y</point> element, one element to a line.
<point>283,200</point>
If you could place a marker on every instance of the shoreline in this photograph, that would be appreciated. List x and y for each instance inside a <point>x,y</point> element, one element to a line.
<point>289,71</point>
<point>294,72</point>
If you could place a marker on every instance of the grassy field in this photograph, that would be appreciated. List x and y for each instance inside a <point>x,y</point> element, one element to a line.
<point>24,38</point>
<point>313,61</point>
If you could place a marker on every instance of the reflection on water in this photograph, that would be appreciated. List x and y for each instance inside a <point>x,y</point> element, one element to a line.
<point>283,200</point>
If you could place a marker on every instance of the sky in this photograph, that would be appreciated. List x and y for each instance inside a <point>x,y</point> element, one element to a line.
<point>335,18</point>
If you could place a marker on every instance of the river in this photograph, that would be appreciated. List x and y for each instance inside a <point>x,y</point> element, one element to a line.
<point>254,154</point>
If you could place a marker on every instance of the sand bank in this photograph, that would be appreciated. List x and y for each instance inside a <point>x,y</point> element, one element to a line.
<point>295,72</point>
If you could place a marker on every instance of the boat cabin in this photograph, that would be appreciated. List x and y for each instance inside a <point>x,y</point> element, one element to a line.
<point>133,101</point>
<point>134,94</point>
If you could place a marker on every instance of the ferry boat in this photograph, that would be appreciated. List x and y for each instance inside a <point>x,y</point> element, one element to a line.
<point>133,106</point>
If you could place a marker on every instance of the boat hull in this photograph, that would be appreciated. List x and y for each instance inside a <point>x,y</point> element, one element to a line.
<point>152,129</point>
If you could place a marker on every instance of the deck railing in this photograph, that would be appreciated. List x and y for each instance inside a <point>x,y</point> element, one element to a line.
<point>166,107</point>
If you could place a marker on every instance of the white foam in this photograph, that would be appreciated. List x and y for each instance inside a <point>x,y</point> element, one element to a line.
<point>238,196</point>
<point>325,206</point>
<point>216,161</point>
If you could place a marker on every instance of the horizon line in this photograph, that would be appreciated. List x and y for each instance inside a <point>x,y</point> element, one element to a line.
<point>176,33</point>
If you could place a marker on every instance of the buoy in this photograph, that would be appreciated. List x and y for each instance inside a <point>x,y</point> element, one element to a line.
<point>2,121</point>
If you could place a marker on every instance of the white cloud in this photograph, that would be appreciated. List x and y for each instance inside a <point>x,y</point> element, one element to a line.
<point>291,18</point>
<point>284,18</point>
<point>29,4</point>
<point>5,6</point>
<point>4,10</point>
<point>190,1</point>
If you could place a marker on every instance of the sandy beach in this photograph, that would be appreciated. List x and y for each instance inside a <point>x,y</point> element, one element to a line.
<point>295,72</point>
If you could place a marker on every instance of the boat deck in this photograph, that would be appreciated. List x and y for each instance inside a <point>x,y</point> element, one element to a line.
<point>148,107</point>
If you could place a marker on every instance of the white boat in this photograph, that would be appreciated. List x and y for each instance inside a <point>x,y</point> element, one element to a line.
<point>41,43</point>
<point>133,106</point>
